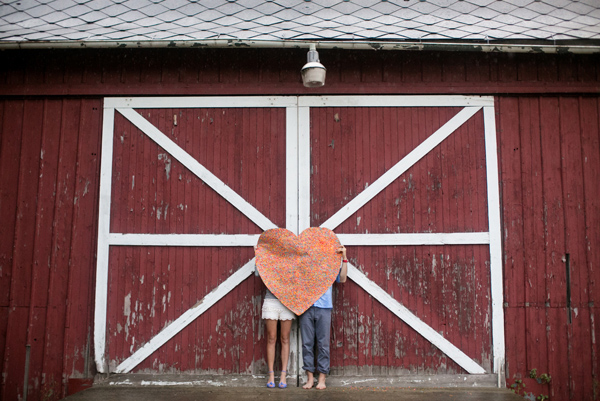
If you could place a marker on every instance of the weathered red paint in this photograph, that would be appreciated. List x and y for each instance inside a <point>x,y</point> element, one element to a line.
<point>549,165</point>
<point>153,193</point>
<point>351,148</point>
<point>127,72</point>
<point>549,170</point>
<point>50,166</point>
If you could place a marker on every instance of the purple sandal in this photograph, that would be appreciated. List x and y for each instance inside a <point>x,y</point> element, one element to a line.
<point>270,384</point>
<point>283,385</point>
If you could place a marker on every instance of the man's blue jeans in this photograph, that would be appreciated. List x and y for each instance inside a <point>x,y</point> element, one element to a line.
<point>315,326</point>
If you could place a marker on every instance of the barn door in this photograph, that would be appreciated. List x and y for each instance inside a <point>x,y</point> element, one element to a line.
<point>408,183</point>
<point>187,186</point>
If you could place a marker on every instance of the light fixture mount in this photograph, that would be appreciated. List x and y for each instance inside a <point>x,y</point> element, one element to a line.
<point>313,72</point>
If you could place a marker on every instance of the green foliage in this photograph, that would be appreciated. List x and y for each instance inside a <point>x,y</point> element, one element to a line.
<point>545,378</point>
<point>518,387</point>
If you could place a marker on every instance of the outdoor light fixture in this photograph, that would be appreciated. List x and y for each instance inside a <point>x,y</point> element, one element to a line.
<point>313,72</point>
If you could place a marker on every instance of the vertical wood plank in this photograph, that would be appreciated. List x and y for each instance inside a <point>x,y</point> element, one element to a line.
<point>553,202</point>
<point>590,158</point>
<point>79,310</point>
<point>10,153</point>
<point>26,188</point>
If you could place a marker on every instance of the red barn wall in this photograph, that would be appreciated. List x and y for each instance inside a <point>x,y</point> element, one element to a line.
<point>548,117</point>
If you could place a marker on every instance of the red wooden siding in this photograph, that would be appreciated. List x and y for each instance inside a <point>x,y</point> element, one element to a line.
<point>49,159</point>
<point>446,286</point>
<point>156,72</point>
<point>550,166</point>
<point>149,287</point>
<point>549,160</point>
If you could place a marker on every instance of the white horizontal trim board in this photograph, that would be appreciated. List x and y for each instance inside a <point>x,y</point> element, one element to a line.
<point>184,239</point>
<point>415,239</point>
<point>395,101</point>
<point>413,321</point>
<point>200,102</point>
<point>186,318</point>
<point>407,162</point>
<point>199,170</point>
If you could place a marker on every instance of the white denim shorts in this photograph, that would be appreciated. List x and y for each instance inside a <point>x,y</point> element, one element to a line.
<point>273,309</point>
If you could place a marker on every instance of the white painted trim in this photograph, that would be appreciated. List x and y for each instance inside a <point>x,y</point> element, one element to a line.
<point>408,161</point>
<point>495,227</point>
<point>101,303</point>
<point>291,169</point>
<point>395,101</point>
<point>413,321</point>
<point>304,168</point>
<point>415,239</point>
<point>200,102</point>
<point>199,170</point>
<point>186,318</point>
<point>183,239</point>
<point>303,208</point>
<point>291,217</point>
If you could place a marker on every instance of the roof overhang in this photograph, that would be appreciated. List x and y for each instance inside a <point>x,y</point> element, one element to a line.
<point>540,47</point>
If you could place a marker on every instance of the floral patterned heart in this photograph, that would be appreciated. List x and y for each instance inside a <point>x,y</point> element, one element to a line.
<point>298,269</point>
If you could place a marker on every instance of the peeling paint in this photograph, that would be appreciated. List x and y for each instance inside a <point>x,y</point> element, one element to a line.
<point>167,161</point>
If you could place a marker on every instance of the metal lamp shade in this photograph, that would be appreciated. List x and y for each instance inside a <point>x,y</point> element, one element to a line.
<point>313,74</point>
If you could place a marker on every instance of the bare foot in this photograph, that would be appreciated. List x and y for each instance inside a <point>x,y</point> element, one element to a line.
<point>310,381</point>
<point>321,384</point>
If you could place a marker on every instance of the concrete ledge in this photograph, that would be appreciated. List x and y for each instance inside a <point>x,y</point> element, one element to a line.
<point>186,380</point>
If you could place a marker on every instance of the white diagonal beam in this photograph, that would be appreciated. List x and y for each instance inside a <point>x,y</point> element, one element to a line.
<point>186,318</point>
<point>413,321</point>
<point>408,161</point>
<point>195,167</point>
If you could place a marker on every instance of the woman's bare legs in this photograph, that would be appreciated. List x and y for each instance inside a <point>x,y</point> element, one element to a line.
<point>271,341</point>
<point>286,327</point>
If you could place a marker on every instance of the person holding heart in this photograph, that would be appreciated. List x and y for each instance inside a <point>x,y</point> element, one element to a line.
<point>315,326</point>
<point>273,311</point>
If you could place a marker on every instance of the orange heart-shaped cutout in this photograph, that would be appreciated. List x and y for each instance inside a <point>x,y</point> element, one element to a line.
<point>298,269</point>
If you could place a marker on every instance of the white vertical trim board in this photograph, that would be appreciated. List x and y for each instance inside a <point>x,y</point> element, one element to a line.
<point>291,219</point>
<point>103,240</point>
<point>304,168</point>
<point>291,168</point>
<point>491,156</point>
